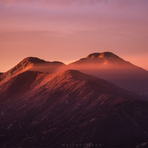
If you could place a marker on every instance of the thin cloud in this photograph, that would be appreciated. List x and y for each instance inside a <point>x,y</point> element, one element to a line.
<point>70,4</point>
<point>67,3</point>
<point>79,2</point>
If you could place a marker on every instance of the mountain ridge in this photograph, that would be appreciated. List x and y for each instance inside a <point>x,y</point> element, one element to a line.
<point>26,64</point>
<point>105,55</point>
<point>114,69</point>
<point>105,65</point>
<point>104,58</point>
<point>41,110</point>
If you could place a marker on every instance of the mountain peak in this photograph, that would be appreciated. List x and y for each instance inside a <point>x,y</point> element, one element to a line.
<point>102,55</point>
<point>105,57</point>
<point>31,60</point>
<point>22,66</point>
<point>27,62</point>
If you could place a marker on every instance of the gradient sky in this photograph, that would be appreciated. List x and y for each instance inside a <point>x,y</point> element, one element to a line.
<point>66,30</point>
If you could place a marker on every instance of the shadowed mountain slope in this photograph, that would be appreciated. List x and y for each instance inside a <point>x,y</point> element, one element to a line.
<point>114,69</point>
<point>54,110</point>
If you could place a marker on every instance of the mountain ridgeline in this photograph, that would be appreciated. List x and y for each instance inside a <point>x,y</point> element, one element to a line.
<point>50,104</point>
<point>114,69</point>
<point>33,64</point>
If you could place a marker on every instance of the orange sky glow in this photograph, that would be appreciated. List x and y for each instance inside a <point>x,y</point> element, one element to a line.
<point>66,30</point>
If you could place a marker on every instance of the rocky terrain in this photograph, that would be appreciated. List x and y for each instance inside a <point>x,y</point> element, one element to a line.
<point>44,106</point>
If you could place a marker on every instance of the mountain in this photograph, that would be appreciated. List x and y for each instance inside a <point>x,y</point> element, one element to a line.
<point>69,109</point>
<point>34,64</point>
<point>105,65</point>
<point>114,69</point>
<point>104,58</point>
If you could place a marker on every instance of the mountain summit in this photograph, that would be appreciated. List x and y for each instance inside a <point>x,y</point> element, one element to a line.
<point>102,59</point>
<point>31,60</point>
<point>104,55</point>
<point>33,64</point>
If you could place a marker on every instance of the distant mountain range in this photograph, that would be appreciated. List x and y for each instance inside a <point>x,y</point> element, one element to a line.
<point>48,104</point>
<point>104,65</point>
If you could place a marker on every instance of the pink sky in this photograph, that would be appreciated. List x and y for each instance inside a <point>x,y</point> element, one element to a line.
<point>66,30</point>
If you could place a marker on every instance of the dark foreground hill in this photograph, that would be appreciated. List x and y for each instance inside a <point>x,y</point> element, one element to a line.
<point>69,109</point>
